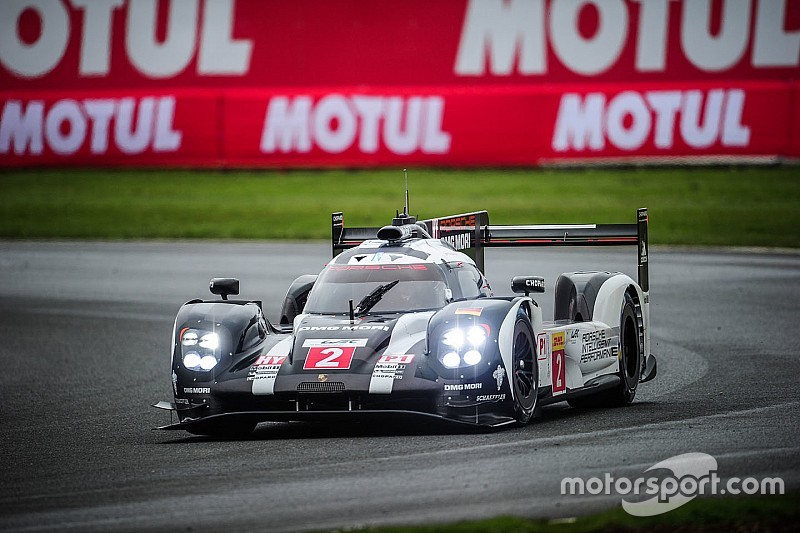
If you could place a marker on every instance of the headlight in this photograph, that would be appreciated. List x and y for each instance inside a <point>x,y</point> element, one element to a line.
<point>192,360</point>
<point>472,357</point>
<point>200,349</point>
<point>476,336</point>
<point>451,360</point>
<point>189,338</point>
<point>462,347</point>
<point>454,338</point>
<point>209,341</point>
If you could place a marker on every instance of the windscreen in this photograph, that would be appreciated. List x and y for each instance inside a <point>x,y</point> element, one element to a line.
<point>420,287</point>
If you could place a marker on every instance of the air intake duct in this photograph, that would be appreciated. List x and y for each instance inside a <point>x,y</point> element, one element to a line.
<point>395,233</point>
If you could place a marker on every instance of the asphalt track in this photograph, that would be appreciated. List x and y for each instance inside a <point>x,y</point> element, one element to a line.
<point>84,335</point>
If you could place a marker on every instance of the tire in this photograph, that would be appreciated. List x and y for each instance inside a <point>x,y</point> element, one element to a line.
<point>525,372</point>
<point>630,364</point>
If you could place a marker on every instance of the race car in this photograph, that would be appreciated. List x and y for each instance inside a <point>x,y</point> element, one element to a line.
<point>402,322</point>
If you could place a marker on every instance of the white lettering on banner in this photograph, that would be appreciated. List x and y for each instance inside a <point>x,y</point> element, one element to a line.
<point>594,55</point>
<point>24,129</point>
<point>627,120</point>
<point>218,53</point>
<point>405,125</point>
<point>30,60</point>
<point>96,42</point>
<point>509,33</point>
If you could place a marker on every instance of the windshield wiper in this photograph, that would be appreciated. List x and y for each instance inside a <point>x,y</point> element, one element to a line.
<point>370,300</point>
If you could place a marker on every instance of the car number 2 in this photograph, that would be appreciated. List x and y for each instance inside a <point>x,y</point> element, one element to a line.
<point>559,372</point>
<point>329,357</point>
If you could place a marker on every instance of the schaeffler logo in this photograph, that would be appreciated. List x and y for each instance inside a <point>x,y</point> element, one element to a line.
<point>692,475</point>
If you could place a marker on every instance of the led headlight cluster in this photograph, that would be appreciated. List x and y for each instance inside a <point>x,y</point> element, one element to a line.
<point>200,349</point>
<point>462,347</point>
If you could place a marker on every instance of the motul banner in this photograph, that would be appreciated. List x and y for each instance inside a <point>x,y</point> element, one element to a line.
<point>371,82</point>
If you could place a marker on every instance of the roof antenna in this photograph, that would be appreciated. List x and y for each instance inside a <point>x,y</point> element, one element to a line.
<point>405,173</point>
<point>404,218</point>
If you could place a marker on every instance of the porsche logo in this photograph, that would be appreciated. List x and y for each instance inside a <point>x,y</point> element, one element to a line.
<point>322,378</point>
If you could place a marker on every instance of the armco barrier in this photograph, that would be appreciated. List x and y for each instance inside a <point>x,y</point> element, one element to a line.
<point>377,82</point>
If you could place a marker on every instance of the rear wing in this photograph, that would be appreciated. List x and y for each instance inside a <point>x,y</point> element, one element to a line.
<point>471,233</point>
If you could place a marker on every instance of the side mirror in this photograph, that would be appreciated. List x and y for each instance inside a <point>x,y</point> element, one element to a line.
<point>527,284</point>
<point>224,287</point>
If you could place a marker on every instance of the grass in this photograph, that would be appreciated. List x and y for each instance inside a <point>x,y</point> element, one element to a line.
<point>739,206</point>
<point>718,515</point>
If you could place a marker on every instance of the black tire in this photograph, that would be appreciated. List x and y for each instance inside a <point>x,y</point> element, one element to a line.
<point>525,371</point>
<point>630,365</point>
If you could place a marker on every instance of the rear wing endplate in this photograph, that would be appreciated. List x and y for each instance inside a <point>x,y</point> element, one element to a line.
<point>471,233</point>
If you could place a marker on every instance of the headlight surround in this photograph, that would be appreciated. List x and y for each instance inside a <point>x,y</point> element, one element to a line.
<point>200,349</point>
<point>462,346</point>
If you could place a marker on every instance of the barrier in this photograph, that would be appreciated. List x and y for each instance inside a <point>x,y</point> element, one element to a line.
<point>314,83</point>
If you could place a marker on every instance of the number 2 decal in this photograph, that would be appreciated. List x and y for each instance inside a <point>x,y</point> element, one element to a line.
<point>559,364</point>
<point>329,358</point>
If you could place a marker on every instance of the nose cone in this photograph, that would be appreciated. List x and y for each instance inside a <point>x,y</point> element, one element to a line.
<point>328,343</point>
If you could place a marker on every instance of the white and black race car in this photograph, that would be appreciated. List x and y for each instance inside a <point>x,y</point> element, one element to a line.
<point>402,323</point>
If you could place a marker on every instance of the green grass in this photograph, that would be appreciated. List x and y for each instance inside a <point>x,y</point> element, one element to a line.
<point>718,515</point>
<point>741,206</point>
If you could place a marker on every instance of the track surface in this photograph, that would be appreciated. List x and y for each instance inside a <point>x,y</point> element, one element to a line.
<point>84,336</point>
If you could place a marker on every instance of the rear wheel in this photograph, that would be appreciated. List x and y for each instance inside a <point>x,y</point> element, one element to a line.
<point>525,372</point>
<point>630,358</point>
<point>630,364</point>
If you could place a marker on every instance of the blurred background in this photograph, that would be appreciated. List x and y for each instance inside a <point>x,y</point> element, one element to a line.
<point>256,119</point>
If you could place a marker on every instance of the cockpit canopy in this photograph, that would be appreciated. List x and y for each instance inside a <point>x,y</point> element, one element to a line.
<point>421,286</point>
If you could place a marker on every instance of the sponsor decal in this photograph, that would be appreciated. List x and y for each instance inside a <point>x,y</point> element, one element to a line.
<point>409,266</point>
<point>498,375</point>
<point>643,254</point>
<point>68,125</point>
<point>332,357</point>
<point>206,43</point>
<point>474,311</point>
<point>491,398</point>
<point>559,373</point>
<point>386,371</point>
<point>365,327</point>
<point>174,382</point>
<point>574,335</point>
<point>336,123</point>
<point>598,345</point>
<point>270,360</point>
<point>334,342</point>
<point>197,390</point>
<point>501,38</point>
<point>404,359</point>
<point>181,401</point>
<point>459,241</point>
<point>630,119</point>
<point>264,371</point>
<point>543,346</point>
<point>464,386</point>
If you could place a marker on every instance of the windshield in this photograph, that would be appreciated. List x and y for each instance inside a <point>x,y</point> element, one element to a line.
<point>419,287</point>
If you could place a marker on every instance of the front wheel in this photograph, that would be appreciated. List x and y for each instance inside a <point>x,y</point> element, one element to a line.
<point>525,372</point>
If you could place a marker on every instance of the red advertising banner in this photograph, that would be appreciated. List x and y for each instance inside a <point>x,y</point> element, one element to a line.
<point>379,82</point>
